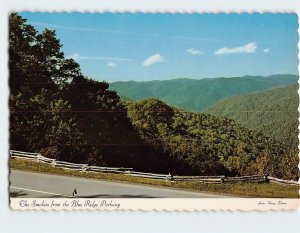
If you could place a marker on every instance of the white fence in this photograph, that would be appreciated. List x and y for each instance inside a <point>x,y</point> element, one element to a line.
<point>129,171</point>
<point>37,157</point>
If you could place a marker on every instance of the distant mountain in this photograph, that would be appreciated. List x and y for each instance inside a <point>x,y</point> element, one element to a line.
<point>272,112</point>
<point>197,95</point>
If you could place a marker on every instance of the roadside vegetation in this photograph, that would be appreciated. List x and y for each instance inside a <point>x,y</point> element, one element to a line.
<point>238,189</point>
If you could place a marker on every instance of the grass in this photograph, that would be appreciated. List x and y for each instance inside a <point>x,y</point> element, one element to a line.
<point>237,189</point>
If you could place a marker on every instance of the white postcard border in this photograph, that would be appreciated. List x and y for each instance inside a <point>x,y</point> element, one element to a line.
<point>168,6</point>
<point>148,204</point>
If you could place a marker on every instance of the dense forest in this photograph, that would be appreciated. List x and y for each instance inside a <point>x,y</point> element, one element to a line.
<point>206,144</point>
<point>272,112</point>
<point>57,111</point>
<point>199,94</point>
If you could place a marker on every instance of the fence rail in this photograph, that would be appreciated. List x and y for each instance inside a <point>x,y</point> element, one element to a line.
<point>129,171</point>
<point>108,169</point>
<point>149,175</point>
<point>280,181</point>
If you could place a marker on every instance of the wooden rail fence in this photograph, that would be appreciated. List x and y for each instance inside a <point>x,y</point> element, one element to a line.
<point>129,171</point>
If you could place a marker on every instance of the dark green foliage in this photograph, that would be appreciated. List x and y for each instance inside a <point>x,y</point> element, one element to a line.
<point>272,112</point>
<point>206,144</point>
<point>60,113</point>
<point>197,95</point>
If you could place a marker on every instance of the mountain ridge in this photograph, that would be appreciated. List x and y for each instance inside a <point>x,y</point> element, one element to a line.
<point>199,94</point>
<point>273,112</point>
<point>203,78</point>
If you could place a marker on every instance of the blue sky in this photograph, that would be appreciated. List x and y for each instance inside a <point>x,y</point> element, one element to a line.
<point>143,47</point>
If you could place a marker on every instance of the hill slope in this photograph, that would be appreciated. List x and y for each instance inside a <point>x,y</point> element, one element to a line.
<point>197,95</point>
<point>272,112</point>
<point>200,143</point>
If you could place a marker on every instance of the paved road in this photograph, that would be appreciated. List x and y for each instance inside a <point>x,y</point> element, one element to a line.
<point>37,185</point>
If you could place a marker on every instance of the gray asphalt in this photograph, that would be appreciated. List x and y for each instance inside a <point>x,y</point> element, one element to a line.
<point>37,185</point>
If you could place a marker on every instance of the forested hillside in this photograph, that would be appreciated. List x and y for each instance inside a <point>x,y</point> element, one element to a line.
<point>58,112</point>
<point>272,112</point>
<point>197,95</point>
<point>203,144</point>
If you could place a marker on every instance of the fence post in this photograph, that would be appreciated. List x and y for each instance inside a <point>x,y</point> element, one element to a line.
<point>266,179</point>
<point>223,179</point>
<point>53,163</point>
<point>11,155</point>
<point>38,158</point>
<point>170,176</point>
<point>84,168</point>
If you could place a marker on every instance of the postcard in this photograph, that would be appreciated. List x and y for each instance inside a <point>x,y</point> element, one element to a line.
<point>138,111</point>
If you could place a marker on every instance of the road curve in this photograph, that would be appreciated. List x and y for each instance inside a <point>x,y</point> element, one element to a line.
<point>38,185</point>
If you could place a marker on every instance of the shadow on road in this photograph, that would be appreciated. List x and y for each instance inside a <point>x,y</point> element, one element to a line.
<point>27,195</point>
<point>113,196</point>
<point>13,194</point>
<point>17,194</point>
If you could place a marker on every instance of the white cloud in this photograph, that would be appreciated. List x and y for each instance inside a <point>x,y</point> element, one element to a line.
<point>194,51</point>
<point>154,59</point>
<point>77,57</point>
<point>248,48</point>
<point>111,65</point>
<point>266,50</point>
